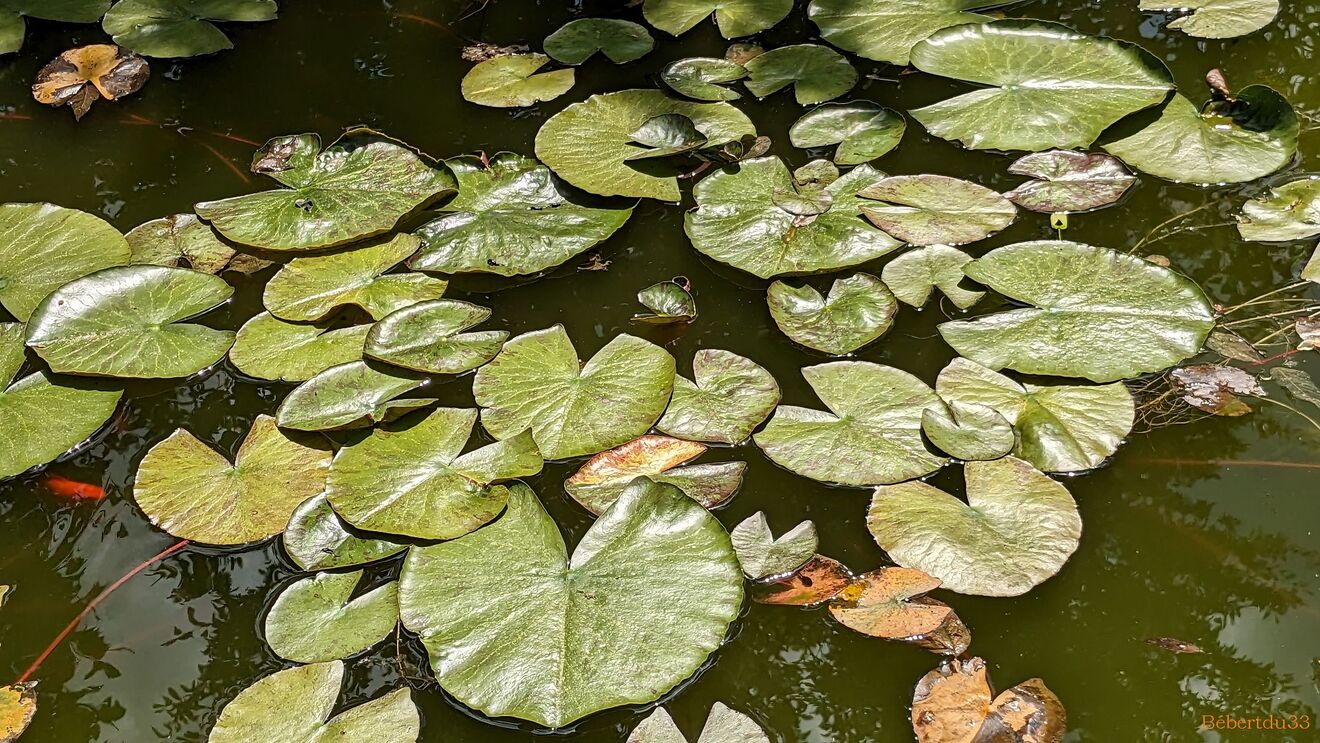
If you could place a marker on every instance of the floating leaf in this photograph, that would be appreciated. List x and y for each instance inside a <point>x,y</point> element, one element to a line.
<point>44,247</point>
<point>314,620</point>
<point>1027,712</point>
<point>730,397</point>
<point>1311,271</point>
<point>724,725</point>
<point>604,478</point>
<point>517,628</point>
<point>621,41</point>
<point>417,482</point>
<point>886,30</point>
<point>180,28</point>
<point>428,337</point>
<point>1308,333</point>
<point>863,130</point>
<point>858,311</point>
<point>914,274</point>
<point>1098,314</point>
<point>817,73</point>
<point>13,27</point>
<point>1232,346</point>
<point>734,17</point>
<point>1214,389</point>
<point>1298,383</point>
<point>317,539</point>
<point>358,187</point>
<point>307,289</point>
<point>703,78</point>
<point>666,135</point>
<point>816,582</point>
<point>537,382</point>
<point>891,603</point>
<point>126,322</point>
<point>512,81</point>
<point>18,705</point>
<point>511,216</point>
<point>1173,645</point>
<point>184,241</point>
<point>270,348</point>
<point>762,555</point>
<point>668,301</point>
<point>952,703</point>
<point>1017,528</point>
<point>968,431</point>
<point>191,491</point>
<point>737,221</point>
<point>1049,85</point>
<point>1218,19</point>
<point>351,395</point>
<point>936,209</point>
<point>1069,181</point>
<point>872,434</point>
<point>1289,212</point>
<point>80,77</point>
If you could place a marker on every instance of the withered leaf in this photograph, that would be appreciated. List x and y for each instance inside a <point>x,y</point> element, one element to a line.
<point>890,603</point>
<point>1233,346</point>
<point>1214,389</point>
<point>1174,645</point>
<point>1026,713</point>
<point>952,704</point>
<point>18,705</point>
<point>1308,329</point>
<point>819,580</point>
<point>79,77</point>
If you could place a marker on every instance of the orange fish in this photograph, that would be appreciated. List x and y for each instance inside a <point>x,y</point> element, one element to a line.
<point>72,489</point>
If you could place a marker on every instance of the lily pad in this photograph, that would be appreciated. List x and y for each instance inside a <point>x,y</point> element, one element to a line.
<point>730,397</point>
<point>762,555</point>
<point>517,628</point>
<point>872,434</point>
<point>13,28</point>
<point>428,337</point>
<point>737,221</point>
<point>126,321</point>
<point>192,491</point>
<point>668,302</point>
<point>588,144</point>
<point>667,135</point>
<point>316,539</point>
<point>308,289</point>
<point>270,348</point>
<point>818,581</point>
<point>1017,528</point>
<point>358,187</point>
<point>44,247</point>
<point>953,702</point>
<point>351,395</point>
<point>969,431</point>
<point>858,310</point>
<point>734,17</point>
<point>1214,389</point>
<point>604,478</point>
<point>294,706</point>
<point>1098,314</point>
<point>936,209</point>
<point>18,705</point>
<point>511,216</point>
<point>1288,212</point>
<point>512,81</point>
<point>184,241</point>
<point>913,275</point>
<point>891,603</point>
<point>863,130</point>
<point>416,481</point>
<point>703,78</point>
<point>80,77</point>
<point>314,620</point>
<point>1069,181</point>
<point>621,41</point>
<point>1050,86</point>
<point>724,725</point>
<point>817,73</point>
<point>1218,19</point>
<point>180,28</point>
<point>886,30</point>
<point>537,382</point>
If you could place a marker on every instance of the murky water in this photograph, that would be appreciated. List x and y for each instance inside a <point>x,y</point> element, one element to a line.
<point>1226,557</point>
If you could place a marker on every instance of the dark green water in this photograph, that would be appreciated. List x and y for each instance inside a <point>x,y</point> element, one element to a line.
<point>1226,557</point>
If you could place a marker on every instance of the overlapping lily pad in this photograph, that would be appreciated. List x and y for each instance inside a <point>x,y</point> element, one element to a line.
<point>512,81</point>
<point>1218,19</point>
<point>43,247</point>
<point>886,30</point>
<point>817,73</point>
<point>270,348</point>
<point>428,337</point>
<point>820,580</point>
<point>968,431</point>
<point>704,78</point>
<point>724,725</point>
<point>935,209</point>
<point>308,289</point>
<point>1288,212</point>
<point>316,539</point>
<point>761,554</point>
<point>12,12</point>
<point>862,130</point>
<point>667,135</point>
<point>668,302</point>
<point>180,28</point>
<point>953,702</point>
<point>734,17</point>
<point>184,241</point>
<point>858,310</point>
<point>1069,181</point>
<point>621,41</point>
<point>728,397</point>
<point>891,603</point>
<point>315,619</point>
<point>915,274</point>
<point>605,477</point>
<point>351,395</point>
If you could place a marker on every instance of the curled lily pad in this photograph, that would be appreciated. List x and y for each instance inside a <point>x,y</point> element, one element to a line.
<point>886,30</point>
<point>308,289</point>
<point>18,705</point>
<point>588,144</point>
<point>80,77</point>
<point>872,434</point>
<point>936,209</point>
<point>817,73</point>
<point>358,187</point>
<point>517,628</point>
<point>863,130</point>
<point>192,491</point>
<point>184,241</point>
<point>572,409</point>
<point>1218,19</point>
<point>417,481</point>
<point>621,41</point>
<point>816,582</point>
<point>1214,389</point>
<point>968,431</point>
<point>1049,86</point>
<point>44,247</point>
<point>1017,528</point>
<point>703,78</point>
<point>180,28</point>
<point>1100,314</point>
<point>724,725</point>
<point>511,216</point>
<point>858,310</point>
<point>605,477</point>
<point>666,135</point>
<point>13,27</point>
<point>739,222</point>
<point>294,706</point>
<point>730,397</point>
<point>734,17</point>
<point>316,620</point>
<point>953,702</point>
<point>317,539</point>
<point>891,603</point>
<point>762,555</point>
<point>913,275</point>
<point>351,395</point>
<point>428,337</point>
<point>126,322</point>
<point>512,81</point>
<point>270,348</point>
<point>1069,181</point>
<point>1287,212</point>
<point>668,302</point>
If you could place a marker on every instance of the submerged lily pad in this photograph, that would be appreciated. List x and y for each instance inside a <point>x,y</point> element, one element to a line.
<point>863,130</point>
<point>184,241</point>
<point>935,209</point>
<point>817,73</point>
<point>1214,389</point>
<point>734,17</point>
<point>886,30</point>
<point>872,434</point>
<point>351,395</point>
<point>13,27</point>
<point>1069,181</point>
<point>913,275</point>
<point>1218,19</point>
<point>428,337</point>
<point>314,620</point>
<point>724,725</point>
<point>517,628</point>
<point>968,431</point>
<point>1017,528</point>
<point>703,78</point>
<point>605,477</point>
<point>18,705</point>
<point>512,81</point>
<point>730,397</point>
<point>891,603</point>
<point>316,539</point>
<point>192,491</point>
<point>1288,212</point>
<point>576,41</point>
<point>308,289</point>
<point>80,77</point>
<point>858,310</point>
<point>762,555</point>
<point>270,348</point>
<point>44,247</point>
<point>668,302</point>
<point>180,28</point>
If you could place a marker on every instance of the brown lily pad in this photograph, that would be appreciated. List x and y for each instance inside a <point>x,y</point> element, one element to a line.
<point>819,580</point>
<point>18,705</point>
<point>954,704</point>
<point>1026,713</point>
<point>1174,645</point>
<point>890,603</point>
<point>1214,389</point>
<point>79,77</point>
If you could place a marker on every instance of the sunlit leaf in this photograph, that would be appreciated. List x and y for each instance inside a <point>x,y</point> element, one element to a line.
<point>886,30</point>
<point>606,476</point>
<point>13,27</point>
<point>316,620</point>
<point>858,310</point>
<point>817,73</point>
<point>80,77</point>
<point>18,705</point>
<point>1214,389</point>
<point>316,539</point>
<point>350,395</point>
<point>308,289</point>
<point>761,554</point>
<point>703,78</point>
<point>1218,19</point>
<point>729,397</point>
<point>428,337</point>
<point>968,431</point>
<point>914,274</point>
<point>1069,181</point>
<point>816,582</point>
<point>935,209</point>
<point>734,17</point>
<point>270,348</point>
<point>43,247</point>
<point>512,81</point>
<point>180,28</point>
<point>184,241</point>
<point>1288,212</point>
<point>953,703</point>
<point>620,41</point>
<point>863,130</point>
<point>668,302</point>
<point>724,725</point>
<point>666,135</point>
<point>891,603</point>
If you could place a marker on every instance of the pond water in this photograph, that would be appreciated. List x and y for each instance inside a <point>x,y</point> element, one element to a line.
<point>1179,540</point>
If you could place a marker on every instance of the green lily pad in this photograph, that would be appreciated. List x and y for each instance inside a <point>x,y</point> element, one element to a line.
<point>1101,314</point>
<point>762,555</point>
<point>588,143</point>
<point>126,322</point>
<point>416,481</point>
<point>180,28</point>
<point>1069,181</point>
<point>572,409</point>
<point>12,12</point>
<point>428,337</point>
<point>724,725</point>
<point>294,706</point>
<point>1017,528</point>
<point>311,288</point>
<point>968,432</point>
<point>863,130</point>
<point>1311,271</point>
<point>576,41</point>
<point>314,620</point>
<point>192,491</point>
<point>667,135</point>
<point>668,302</point>
<point>351,395</point>
<point>730,397</point>
<point>1218,19</point>
<point>871,436</point>
<point>1060,428</point>
<point>270,348</point>
<point>737,221</point>
<point>1288,212</point>
<point>858,310</point>
<point>185,241</point>
<point>358,187</point>
<point>817,73</point>
<point>512,81</point>
<point>1049,85</point>
<point>734,17</point>
<point>936,209</point>
<point>605,477</point>
<point>316,539</point>
<point>1225,142</point>
<point>44,247</point>
<point>703,78</point>
<point>915,274</point>
<point>511,216</point>
<point>517,628</point>
<point>886,30</point>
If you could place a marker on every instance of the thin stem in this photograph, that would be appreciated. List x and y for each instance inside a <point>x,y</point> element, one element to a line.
<point>1286,406</point>
<point>1231,462</point>
<point>1275,357</point>
<point>1256,300</point>
<point>1167,222</point>
<point>1266,317</point>
<point>432,23</point>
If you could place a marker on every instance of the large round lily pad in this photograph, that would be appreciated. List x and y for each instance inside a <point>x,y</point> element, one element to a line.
<point>734,17</point>
<point>606,476</point>
<point>316,620</point>
<point>1218,19</point>
<point>517,628</point>
<point>621,41</point>
<point>816,73</point>
<point>726,399</point>
<point>428,337</point>
<point>13,27</point>
<point>863,130</point>
<point>44,247</point>
<point>270,348</point>
<point>1288,212</point>
<point>935,209</point>
<point>180,28</point>
<point>858,310</point>
<point>351,395</point>
<point>512,81</point>
<point>886,30</point>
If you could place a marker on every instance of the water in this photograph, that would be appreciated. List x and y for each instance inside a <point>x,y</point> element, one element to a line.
<point>1222,556</point>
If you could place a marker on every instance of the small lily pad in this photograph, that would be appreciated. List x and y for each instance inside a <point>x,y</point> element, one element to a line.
<point>270,348</point>
<point>886,30</point>
<point>817,73</point>
<point>863,130</point>
<point>936,209</point>
<point>18,705</point>
<point>762,555</point>
<point>730,397</point>
<point>953,702</point>
<point>80,77</point>
<point>428,337</point>
<point>668,302</point>
<point>44,247</point>
<point>1288,212</point>
<point>314,620</point>
<point>184,241</point>
<point>968,431</point>
<point>1069,181</point>
<point>351,395</point>
<point>512,81</point>
<point>858,310</point>
<point>820,580</point>
<point>891,603</point>
<point>13,27</point>
<point>621,41</point>
<point>180,28</point>
<point>1218,19</point>
<point>308,289</point>
<point>604,478</point>
<point>734,17</point>
<point>704,78</point>
<point>724,725</point>
<point>316,539</point>
<point>915,274</point>
<point>1214,389</point>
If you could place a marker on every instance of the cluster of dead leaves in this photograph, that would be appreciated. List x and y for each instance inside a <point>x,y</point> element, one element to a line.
<point>80,77</point>
<point>956,704</point>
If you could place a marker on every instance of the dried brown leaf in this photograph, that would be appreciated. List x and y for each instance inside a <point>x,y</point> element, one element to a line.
<point>816,582</point>
<point>79,77</point>
<point>1173,645</point>
<point>890,603</point>
<point>1214,389</point>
